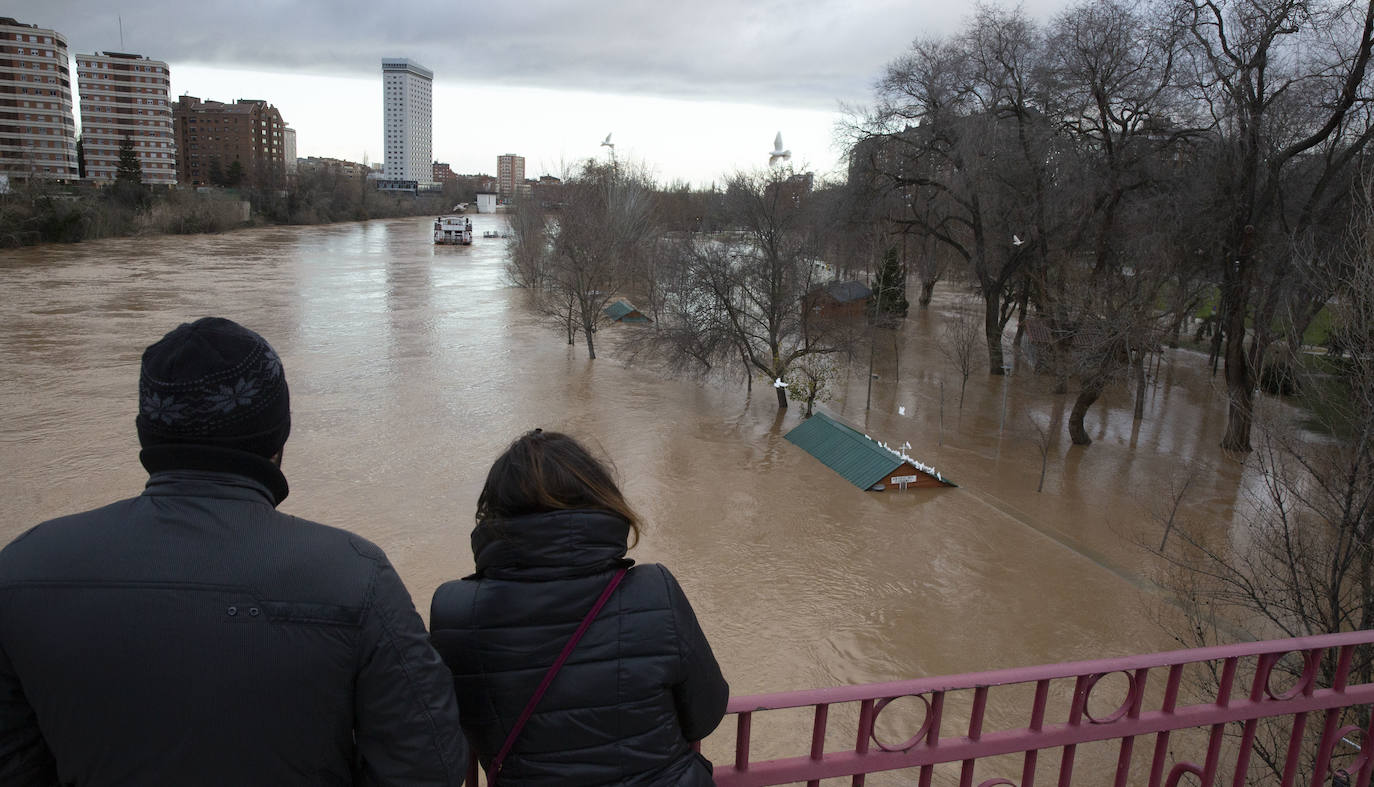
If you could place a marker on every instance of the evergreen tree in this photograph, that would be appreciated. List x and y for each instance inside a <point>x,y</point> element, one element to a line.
<point>889,288</point>
<point>80,158</point>
<point>216,175</point>
<point>129,169</point>
<point>233,178</point>
<point>128,189</point>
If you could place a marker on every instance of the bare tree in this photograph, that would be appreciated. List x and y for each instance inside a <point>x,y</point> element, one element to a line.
<point>1042,436</point>
<point>593,245</point>
<point>959,341</point>
<point>1285,84</point>
<point>1299,560</point>
<point>968,139</point>
<point>810,381</point>
<point>529,243</point>
<point>744,297</point>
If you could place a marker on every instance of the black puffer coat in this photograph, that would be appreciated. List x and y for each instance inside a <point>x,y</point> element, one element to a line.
<point>196,636</point>
<point>641,684</point>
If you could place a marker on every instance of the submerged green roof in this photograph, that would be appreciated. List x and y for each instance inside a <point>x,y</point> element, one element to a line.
<point>860,460</point>
<point>620,310</point>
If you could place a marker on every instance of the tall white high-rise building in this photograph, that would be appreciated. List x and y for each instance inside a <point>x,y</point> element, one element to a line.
<point>407,113</point>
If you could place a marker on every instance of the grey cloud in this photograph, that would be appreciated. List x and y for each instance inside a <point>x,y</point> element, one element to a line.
<point>802,54</point>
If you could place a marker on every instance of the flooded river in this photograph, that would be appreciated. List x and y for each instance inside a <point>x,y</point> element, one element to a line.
<point>412,366</point>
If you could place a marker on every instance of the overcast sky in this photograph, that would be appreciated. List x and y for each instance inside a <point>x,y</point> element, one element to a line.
<point>695,90</point>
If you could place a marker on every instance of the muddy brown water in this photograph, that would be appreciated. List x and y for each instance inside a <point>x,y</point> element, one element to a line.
<point>412,366</point>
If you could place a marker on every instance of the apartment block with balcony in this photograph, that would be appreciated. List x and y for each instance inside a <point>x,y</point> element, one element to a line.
<point>126,96</point>
<point>239,144</point>
<point>37,128</point>
<point>510,174</point>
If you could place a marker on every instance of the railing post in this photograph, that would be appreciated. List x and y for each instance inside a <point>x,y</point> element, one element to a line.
<point>1080,700</point>
<point>1162,738</point>
<point>975,732</point>
<point>818,738</point>
<point>1042,698</point>
<point>1123,759</point>
<point>937,708</point>
<point>742,741</point>
<point>1263,667</point>
<point>865,735</point>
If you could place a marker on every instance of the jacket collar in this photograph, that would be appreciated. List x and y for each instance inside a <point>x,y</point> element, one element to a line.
<point>552,545</point>
<point>221,468</point>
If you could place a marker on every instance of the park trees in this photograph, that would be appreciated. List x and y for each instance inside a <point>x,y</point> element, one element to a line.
<point>966,139</point>
<point>1298,558</point>
<point>1284,85</point>
<point>745,296</point>
<point>577,260</point>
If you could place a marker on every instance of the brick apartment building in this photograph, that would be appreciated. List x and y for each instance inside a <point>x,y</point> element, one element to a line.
<point>37,129</point>
<point>125,96</point>
<point>212,136</point>
<point>443,173</point>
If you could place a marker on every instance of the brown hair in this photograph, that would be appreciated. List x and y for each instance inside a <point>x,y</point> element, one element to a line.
<point>550,471</point>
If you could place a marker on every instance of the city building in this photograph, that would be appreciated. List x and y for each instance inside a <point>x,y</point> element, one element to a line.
<point>238,144</point>
<point>313,165</point>
<point>443,173</point>
<point>407,121</point>
<point>124,96</point>
<point>288,147</point>
<point>37,129</point>
<point>510,174</point>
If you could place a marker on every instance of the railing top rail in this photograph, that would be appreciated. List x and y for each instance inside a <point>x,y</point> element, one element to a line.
<point>1013,675</point>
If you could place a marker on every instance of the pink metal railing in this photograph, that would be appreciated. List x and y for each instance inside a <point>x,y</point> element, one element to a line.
<point>1141,713</point>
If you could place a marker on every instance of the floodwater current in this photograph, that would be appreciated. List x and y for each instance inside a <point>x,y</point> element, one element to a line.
<point>412,366</point>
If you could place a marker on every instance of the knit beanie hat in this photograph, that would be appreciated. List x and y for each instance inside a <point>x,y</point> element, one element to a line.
<point>213,382</point>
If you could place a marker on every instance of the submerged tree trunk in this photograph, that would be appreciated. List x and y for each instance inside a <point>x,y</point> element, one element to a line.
<point>1092,389</point>
<point>782,398</point>
<point>589,329</point>
<point>1140,386</point>
<point>927,292</point>
<point>992,327</point>
<point>1240,384</point>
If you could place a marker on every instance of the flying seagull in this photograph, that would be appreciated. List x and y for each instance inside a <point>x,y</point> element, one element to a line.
<point>607,143</point>
<point>778,153</point>
<point>901,411</point>
<point>1015,241</point>
<point>778,383</point>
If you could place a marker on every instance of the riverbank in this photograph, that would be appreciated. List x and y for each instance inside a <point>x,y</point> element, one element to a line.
<point>48,213</point>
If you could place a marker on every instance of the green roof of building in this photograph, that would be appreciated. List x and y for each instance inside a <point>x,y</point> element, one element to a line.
<point>855,456</point>
<point>861,461</point>
<point>620,311</point>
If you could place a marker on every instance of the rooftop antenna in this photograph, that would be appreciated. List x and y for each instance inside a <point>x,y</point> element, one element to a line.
<point>121,31</point>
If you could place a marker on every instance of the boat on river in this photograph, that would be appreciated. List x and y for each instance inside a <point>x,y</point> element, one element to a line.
<point>452,230</point>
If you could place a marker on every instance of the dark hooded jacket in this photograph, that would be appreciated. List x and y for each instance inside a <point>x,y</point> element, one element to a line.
<point>640,686</point>
<point>196,636</point>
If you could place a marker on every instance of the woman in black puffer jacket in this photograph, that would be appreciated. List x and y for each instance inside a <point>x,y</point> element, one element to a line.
<point>641,685</point>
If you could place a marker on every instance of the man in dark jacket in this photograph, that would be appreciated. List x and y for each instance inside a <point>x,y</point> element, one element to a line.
<point>196,636</point>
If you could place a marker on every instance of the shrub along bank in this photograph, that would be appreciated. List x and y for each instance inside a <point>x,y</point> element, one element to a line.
<point>49,213</point>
